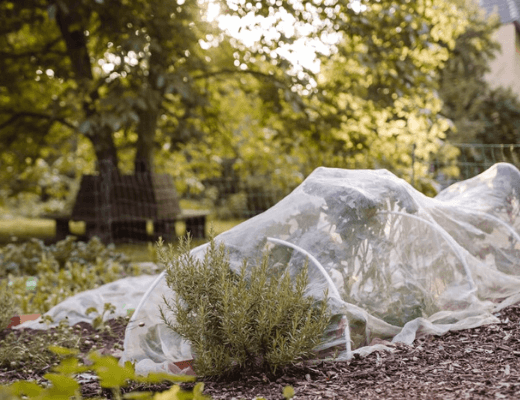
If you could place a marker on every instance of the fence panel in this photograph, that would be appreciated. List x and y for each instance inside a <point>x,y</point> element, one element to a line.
<point>473,159</point>
<point>141,208</point>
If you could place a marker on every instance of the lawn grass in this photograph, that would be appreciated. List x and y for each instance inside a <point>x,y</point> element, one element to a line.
<point>20,229</point>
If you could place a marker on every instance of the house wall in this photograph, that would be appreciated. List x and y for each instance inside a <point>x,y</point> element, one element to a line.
<point>505,68</point>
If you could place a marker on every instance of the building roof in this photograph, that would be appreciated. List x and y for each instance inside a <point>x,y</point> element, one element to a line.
<point>509,10</point>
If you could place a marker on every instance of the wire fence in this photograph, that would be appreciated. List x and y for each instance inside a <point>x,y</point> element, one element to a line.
<point>143,207</point>
<point>472,160</point>
<point>244,198</point>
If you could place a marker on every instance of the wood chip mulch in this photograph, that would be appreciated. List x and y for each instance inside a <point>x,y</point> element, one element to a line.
<point>480,363</point>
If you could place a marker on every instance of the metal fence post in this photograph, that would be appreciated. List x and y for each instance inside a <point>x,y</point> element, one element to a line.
<point>104,226</point>
<point>413,164</point>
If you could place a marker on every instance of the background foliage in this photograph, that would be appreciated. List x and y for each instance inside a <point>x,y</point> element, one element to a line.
<point>37,277</point>
<point>165,85</point>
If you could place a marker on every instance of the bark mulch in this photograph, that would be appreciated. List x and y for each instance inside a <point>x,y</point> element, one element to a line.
<point>480,363</point>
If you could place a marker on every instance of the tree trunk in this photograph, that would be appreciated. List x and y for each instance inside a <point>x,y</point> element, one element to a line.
<point>145,143</point>
<point>72,28</point>
<point>106,152</point>
<point>148,118</point>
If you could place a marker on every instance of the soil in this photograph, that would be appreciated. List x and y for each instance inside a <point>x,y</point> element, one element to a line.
<point>480,363</point>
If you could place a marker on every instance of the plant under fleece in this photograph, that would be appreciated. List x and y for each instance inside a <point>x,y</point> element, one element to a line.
<point>256,319</point>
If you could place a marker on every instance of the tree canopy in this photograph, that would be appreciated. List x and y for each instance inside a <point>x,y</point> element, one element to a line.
<point>480,113</point>
<point>161,84</point>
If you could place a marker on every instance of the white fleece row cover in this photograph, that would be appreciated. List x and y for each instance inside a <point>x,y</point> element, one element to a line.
<point>403,264</point>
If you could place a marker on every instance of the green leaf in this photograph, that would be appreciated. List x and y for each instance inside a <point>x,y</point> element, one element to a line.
<point>110,373</point>
<point>97,322</point>
<point>29,389</point>
<point>288,392</point>
<point>197,392</point>
<point>63,387</point>
<point>70,366</point>
<point>63,351</point>
<point>109,307</point>
<point>91,310</point>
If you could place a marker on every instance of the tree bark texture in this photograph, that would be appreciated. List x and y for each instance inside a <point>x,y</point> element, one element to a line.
<point>148,117</point>
<point>72,28</point>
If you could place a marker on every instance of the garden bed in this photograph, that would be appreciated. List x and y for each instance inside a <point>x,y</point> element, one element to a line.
<point>480,363</point>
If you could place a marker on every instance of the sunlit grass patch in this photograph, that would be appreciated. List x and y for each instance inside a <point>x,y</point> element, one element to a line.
<point>25,228</point>
<point>20,229</point>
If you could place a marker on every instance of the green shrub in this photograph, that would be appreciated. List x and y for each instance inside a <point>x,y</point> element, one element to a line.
<point>256,319</point>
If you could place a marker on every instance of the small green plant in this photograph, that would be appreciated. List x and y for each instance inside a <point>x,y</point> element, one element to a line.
<point>24,259</point>
<point>7,306</point>
<point>98,322</point>
<point>256,319</point>
<point>112,376</point>
<point>61,383</point>
<point>39,276</point>
<point>28,352</point>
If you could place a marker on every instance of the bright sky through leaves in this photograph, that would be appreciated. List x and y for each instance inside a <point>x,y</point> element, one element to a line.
<point>249,29</point>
